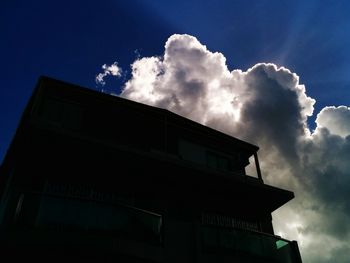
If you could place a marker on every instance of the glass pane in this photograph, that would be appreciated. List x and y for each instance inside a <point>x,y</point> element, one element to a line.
<point>260,245</point>
<point>212,161</point>
<point>79,214</point>
<point>281,243</point>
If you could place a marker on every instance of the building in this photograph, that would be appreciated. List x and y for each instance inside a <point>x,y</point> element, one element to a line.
<point>100,178</point>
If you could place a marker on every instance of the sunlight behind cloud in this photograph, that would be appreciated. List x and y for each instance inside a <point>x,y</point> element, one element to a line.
<point>223,102</point>
<point>265,105</point>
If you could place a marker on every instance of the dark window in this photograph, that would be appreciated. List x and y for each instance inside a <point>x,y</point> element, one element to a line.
<point>209,157</point>
<point>217,161</point>
<point>192,152</point>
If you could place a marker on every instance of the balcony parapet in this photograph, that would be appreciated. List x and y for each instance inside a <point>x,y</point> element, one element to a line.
<point>252,244</point>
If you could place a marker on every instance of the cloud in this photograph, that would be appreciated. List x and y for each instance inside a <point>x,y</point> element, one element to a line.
<point>335,119</point>
<point>265,105</point>
<point>112,69</point>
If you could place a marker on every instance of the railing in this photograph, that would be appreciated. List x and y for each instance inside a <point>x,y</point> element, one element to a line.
<point>52,212</point>
<point>249,244</point>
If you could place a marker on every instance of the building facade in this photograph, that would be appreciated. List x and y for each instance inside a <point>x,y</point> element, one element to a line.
<point>100,178</point>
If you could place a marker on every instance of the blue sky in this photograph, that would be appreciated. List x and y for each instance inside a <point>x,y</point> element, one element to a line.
<point>71,40</point>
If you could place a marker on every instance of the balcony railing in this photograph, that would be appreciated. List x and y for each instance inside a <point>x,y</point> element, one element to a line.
<point>67,213</point>
<point>260,246</point>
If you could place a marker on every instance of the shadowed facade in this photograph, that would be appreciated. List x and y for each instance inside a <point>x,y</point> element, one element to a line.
<point>97,177</point>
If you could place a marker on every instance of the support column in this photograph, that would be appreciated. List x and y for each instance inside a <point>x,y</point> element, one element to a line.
<point>257,166</point>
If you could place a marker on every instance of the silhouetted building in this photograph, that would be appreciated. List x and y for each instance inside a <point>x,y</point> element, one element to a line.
<point>96,177</point>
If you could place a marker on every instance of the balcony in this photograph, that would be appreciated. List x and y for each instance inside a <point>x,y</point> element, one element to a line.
<point>249,245</point>
<point>69,214</point>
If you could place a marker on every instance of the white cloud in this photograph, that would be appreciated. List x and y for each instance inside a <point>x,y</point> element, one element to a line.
<point>265,105</point>
<point>112,69</point>
<point>335,119</point>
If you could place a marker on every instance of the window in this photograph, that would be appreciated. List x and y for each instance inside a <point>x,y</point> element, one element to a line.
<point>192,152</point>
<point>217,161</point>
<point>211,158</point>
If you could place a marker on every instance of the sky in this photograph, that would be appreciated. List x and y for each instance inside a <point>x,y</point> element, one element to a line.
<point>272,72</point>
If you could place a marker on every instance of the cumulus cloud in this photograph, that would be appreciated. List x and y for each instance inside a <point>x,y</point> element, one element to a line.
<point>113,70</point>
<point>265,105</point>
<point>335,119</point>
